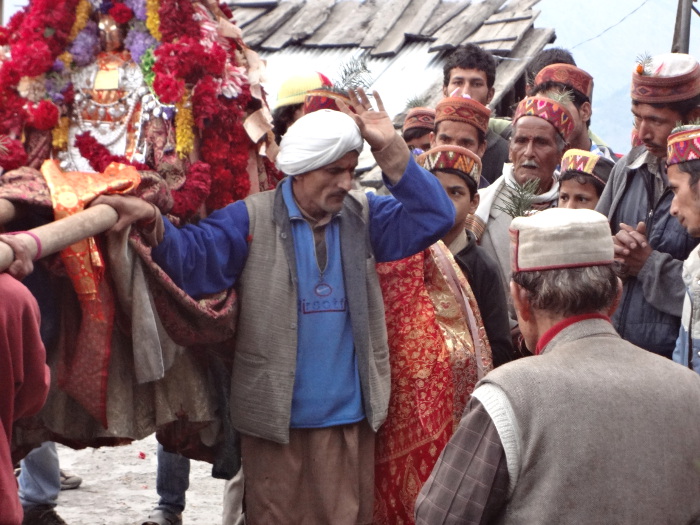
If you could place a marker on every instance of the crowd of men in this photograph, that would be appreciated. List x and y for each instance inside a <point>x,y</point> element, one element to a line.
<point>584,266</point>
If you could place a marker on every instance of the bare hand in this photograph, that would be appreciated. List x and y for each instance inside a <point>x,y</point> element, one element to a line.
<point>376,126</point>
<point>130,209</point>
<point>23,264</point>
<point>632,247</point>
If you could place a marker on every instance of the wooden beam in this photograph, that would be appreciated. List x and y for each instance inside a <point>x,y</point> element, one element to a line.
<point>444,13</point>
<point>60,234</point>
<point>301,26</point>
<point>461,27</point>
<point>409,25</point>
<point>501,37</point>
<point>346,26</point>
<point>246,16</point>
<point>383,21</point>
<point>514,67</point>
<point>266,4</point>
<point>260,30</point>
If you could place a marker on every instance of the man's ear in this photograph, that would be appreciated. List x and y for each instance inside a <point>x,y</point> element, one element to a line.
<point>585,111</point>
<point>432,139</point>
<point>521,302</point>
<point>492,92</point>
<point>618,298</point>
<point>474,203</point>
<point>444,90</point>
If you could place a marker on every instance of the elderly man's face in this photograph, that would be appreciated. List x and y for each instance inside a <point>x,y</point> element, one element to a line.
<point>653,126</point>
<point>322,191</point>
<point>534,151</point>
<point>686,200</point>
<point>452,133</point>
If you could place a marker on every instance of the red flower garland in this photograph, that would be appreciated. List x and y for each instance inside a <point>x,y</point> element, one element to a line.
<point>121,13</point>
<point>177,20</point>
<point>205,102</point>
<point>99,156</point>
<point>168,88</point>
<point>43,116</point>
<point>12,112</point>
<point>15,156</point>
<point>188,199</point>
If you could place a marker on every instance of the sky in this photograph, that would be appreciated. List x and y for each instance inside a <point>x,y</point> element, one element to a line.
<point>611,57</point>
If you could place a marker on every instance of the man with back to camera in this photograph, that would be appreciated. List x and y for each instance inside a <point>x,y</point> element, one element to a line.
<point>571,434</point>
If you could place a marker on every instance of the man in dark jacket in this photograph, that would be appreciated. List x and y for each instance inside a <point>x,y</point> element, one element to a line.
<point>649,243</point>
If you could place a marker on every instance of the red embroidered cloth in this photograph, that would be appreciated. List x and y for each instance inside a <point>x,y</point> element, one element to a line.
<point>83,374</point>
<point>434,368</point>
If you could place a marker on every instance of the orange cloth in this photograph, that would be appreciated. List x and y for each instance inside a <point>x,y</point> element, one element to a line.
<point>434,368</point>
<point>83,373</point>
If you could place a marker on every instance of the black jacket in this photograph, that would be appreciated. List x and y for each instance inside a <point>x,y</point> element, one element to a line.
<point>483,275</point>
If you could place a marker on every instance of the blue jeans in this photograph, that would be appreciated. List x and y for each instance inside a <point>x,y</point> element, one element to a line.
<point>40,479</point>
<point>172,481</point>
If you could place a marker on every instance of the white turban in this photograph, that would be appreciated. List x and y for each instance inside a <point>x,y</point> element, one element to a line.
<point>317,139</point>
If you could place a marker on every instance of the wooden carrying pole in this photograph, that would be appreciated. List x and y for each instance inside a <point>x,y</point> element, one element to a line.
<point>60,234</point>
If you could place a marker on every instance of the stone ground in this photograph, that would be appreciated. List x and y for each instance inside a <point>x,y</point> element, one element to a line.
<point>119,487</point>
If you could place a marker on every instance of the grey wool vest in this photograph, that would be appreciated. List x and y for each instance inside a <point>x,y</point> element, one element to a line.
<point>609,433</point>
<point>264,363</point>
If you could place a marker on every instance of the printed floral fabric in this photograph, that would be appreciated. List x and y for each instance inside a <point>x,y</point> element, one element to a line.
<point>84,374</point>
<point>434,368</point>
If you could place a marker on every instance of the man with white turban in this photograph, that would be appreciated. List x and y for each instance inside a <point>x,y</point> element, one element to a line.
<point>310,384</point>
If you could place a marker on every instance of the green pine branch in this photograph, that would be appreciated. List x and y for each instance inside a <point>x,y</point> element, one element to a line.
<point>519,199</point>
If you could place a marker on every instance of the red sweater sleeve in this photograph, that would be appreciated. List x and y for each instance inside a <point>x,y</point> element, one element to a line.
<point>24,379</point>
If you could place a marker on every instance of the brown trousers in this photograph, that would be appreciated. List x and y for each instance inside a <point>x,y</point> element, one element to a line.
<point>323,476</point>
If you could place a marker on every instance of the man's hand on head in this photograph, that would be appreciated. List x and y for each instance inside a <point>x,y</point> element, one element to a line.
<point>376,126</point>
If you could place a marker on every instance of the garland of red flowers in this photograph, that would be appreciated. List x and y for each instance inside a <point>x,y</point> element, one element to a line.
<point>13,156</point>
<point>43,116</point>
<point>99,156</point>
<point>182,61</point>
<point>36,36</point>
<point>177,20</point>
<point>189,198</point>
<point>121,13</point>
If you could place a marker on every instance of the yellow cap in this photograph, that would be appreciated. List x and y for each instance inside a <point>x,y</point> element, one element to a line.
<point>294,89</point>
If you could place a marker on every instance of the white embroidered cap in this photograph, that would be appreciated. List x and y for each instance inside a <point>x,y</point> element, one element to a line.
<point>560,238</point>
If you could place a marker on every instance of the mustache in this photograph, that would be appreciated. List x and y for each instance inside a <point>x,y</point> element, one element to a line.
<point>653,145</point>
<point>529,164</point>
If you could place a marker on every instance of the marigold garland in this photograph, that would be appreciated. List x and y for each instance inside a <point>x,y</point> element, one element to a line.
<point>153,19</point>
<point>82,15</point>
<point>60,133</point>
<point>66,58</point>
<point>184,122</point>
